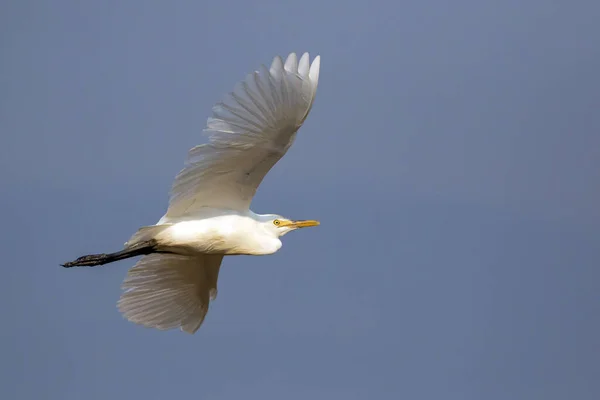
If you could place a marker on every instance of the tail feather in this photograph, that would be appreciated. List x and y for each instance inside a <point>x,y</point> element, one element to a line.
<point>92,260</point>
<point>146,234</point>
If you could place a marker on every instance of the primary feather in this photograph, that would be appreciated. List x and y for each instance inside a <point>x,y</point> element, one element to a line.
<point>249,131</point>
<point>167,291</point>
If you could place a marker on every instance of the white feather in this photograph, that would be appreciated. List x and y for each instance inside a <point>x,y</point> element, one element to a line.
<point>249,131</point>
<point>167,291</point>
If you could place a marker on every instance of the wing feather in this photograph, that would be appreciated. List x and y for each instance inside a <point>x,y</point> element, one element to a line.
<point>167,291</point>
<point>249,131</point>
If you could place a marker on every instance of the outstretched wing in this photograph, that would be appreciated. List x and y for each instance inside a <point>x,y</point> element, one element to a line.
<point>167,291</point>
<point>250,130</point>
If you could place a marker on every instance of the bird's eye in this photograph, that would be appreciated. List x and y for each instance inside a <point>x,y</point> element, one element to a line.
<point>276,222</point>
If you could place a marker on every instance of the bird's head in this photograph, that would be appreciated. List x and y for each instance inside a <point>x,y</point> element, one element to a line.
<point>279,225</point>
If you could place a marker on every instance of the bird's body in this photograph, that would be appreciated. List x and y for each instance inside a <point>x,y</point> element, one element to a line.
<point>208,215</point>
<point>229,234</point>
<point>216,232</point>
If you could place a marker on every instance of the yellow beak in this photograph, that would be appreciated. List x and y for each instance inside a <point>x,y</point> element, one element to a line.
<point>300,224</point>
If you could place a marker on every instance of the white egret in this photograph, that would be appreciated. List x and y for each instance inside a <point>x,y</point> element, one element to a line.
<point>208,216</point>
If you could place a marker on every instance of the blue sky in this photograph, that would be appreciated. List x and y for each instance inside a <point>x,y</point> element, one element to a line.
<point>452,155</point>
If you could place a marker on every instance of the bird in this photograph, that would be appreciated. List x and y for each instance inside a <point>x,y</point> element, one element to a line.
<point>208,215</point>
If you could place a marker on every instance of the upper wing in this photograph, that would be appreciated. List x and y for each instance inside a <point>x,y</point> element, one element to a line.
<point>250,130</point>
<point>167,291</point>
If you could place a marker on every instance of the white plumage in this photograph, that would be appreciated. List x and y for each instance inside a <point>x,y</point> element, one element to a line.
<point>167,291</point>
<point>250,130</point>
<point>208,216</point>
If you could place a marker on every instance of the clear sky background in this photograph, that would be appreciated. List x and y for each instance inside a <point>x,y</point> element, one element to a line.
<point>452,155</point>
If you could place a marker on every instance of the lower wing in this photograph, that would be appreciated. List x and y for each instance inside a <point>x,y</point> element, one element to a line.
<point>167,291</point>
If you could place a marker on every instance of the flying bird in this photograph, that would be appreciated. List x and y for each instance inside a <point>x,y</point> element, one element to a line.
<point>209,216</point>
